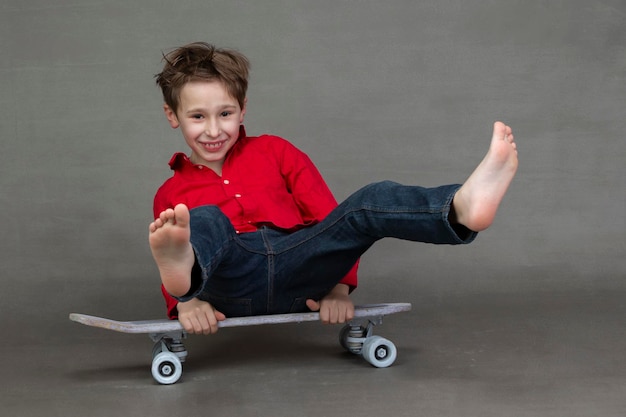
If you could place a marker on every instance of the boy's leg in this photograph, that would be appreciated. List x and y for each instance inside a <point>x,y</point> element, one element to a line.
<point>322,254</point>
<point>448,214</point>
<point>307,264</point>
<point>189,246</point>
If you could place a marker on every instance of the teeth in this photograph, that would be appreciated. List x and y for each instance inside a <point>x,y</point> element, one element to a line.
<point>213,145</point>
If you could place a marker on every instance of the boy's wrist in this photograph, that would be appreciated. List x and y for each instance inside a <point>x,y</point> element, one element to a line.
<point>342,289</point>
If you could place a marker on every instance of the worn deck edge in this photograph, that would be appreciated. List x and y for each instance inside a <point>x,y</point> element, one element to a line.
<point>164,325</point>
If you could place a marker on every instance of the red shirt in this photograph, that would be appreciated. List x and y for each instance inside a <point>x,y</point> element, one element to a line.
<point>265,180</point>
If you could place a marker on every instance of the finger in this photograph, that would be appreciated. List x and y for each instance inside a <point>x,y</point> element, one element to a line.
<point>341,315</point>
<point>188,325</point>
<point>220,316</point>
<point>210,324</point>
<point>313,305</point>
<point>350,313</point>
<point>324,315</point>
<point>197,324</point>
<point>345,312</point>
<point>185,325</point>
<point>207,328</point>
<point>334,315</point>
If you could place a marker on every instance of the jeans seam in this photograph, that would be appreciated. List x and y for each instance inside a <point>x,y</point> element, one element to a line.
<point>360,209</point>
<point>270,269</point>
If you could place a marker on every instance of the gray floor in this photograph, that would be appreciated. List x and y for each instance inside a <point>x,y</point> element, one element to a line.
<point>557,354</point>
<point>529,320</point>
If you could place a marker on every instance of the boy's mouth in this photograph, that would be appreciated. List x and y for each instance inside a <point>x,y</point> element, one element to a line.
<point>213,146</point>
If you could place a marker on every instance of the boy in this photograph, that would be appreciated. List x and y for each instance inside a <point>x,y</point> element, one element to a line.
<point>247,225</point>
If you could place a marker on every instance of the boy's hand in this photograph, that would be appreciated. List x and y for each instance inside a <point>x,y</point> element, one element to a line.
<point>335,307</point>
<point>198,317</point>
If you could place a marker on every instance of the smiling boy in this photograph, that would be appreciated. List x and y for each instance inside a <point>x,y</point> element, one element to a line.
<point>247,225</point>
<point>209,120</point>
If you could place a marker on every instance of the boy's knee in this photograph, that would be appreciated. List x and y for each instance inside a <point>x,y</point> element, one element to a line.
<point>379,188</point>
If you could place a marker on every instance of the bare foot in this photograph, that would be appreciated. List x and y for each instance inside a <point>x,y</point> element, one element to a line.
<point>171,249</point>
<point>476,202</point>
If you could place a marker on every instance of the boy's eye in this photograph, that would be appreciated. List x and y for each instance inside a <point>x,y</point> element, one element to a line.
<point>225,113</point>
<point>196,116</point>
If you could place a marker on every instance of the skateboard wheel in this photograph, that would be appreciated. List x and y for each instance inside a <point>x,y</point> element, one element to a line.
<point>166,368</point>
<point>379,351</point>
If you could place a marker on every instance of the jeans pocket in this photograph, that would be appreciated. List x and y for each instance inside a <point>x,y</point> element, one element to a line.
<point>299,304</point>
<point>231,307</point>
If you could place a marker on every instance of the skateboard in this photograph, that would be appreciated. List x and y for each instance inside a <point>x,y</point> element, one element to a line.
<point>168,352</point>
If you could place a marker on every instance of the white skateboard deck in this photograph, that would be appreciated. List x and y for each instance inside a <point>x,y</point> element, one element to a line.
<point>166,326</point>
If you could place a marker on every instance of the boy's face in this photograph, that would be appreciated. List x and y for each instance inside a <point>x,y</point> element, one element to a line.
<point>209,119</point>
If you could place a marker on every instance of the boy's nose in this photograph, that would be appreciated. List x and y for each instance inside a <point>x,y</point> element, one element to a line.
<point>212,130</point>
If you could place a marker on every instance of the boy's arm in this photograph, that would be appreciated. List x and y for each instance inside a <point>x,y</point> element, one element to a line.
<point>311,193</point>
<point>307,186</point>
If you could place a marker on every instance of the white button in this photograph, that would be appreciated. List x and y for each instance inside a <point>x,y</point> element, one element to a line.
<point>226,182</point>
<point>237,195</point>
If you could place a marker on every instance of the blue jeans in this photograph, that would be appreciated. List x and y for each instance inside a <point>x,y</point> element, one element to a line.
<point>273,271</point>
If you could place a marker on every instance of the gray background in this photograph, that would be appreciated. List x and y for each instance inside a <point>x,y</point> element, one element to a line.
<point>528,320</point>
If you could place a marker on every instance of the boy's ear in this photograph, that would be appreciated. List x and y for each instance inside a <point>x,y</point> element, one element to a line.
<point>171,116</point>
<point>243,111</point>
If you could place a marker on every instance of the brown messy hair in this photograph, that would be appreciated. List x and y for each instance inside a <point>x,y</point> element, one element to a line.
<point>201,61</point>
